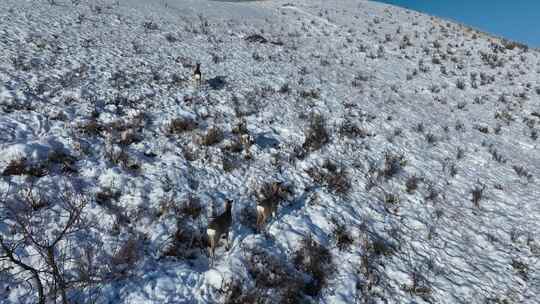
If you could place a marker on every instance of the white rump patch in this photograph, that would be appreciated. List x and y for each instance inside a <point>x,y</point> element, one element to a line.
<point>211,233</point>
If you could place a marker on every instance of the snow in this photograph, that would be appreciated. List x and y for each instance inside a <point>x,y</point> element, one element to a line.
<point>64,65</point>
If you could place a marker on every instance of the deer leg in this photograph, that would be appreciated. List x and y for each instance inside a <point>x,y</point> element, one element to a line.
<point>259,220</point>
<point>212,250</point>
<point>227,240</point>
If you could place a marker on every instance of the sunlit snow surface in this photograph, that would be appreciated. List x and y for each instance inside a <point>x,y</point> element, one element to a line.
<point>68,53</point>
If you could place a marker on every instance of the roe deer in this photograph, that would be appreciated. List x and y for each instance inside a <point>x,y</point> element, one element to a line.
<point>197,76</point>
<point>219,226</point>
<point>268,198</point>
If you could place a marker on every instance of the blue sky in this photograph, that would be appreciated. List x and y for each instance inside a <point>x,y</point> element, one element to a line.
<point>517,20</point>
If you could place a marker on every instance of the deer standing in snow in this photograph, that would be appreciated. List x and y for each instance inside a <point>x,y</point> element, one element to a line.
<point>197,75</point>
<point>219,226</point>
<point>268,198</point>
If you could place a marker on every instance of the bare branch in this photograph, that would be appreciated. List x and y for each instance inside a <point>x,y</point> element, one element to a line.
<point>35,273</point>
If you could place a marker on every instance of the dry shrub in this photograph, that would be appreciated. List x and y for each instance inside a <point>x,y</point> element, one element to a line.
<point>181,125</point>
<point>511,45</point>
<point>335,178</point>
<point>190,153</point>
<point>15,167</point>
<point>191,207</point>
<point>412,184</point>
<point>92,127</point>
<point>248,217</point>
<point>188,239</point>
<point>237,294</point>
<point>521,268</point>
<point>351,130</point>
<point>129,137</point>
<point>315,260</point>
<point>482,129</point>
<point>65,160</point>
<point>186,243</point>
<point>522,172</point>
<point>419,286</point>
<point>212,137</point>
<point>23,167</point>
<point>128,254</point>
<point>272,193</point>
<point>229,162</point>
<point>117,155</point>
<point>316,134</point>
<point>61,157</point>
<point>235,145</point>
<point>393,164</point>
<point>313,93</point>
<point>274,278</point>
<point>240,128</point>
<point>106,196</point>
<point>34,250</point>
<point>380,247</point>
<point>342,235</point>
<point>338,181</point>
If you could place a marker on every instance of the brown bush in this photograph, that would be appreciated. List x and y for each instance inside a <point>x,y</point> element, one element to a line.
<point>236,294</point>
<point>23,167</point>
<point>335,178</point>
<point>316,134</point>
<point>274,278</point>
<point>92,127</point>
<point>412,184</point>
<point>315,260</point>
<point>181,125</point>
<point>15,167</point>
<point>351,130</point>
<point>212,137</point>
<point>393,164</point>
<point>342,236</point>
<point>128,254</point>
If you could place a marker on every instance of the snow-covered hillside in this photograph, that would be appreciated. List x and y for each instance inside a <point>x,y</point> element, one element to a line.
<point>406,150</point>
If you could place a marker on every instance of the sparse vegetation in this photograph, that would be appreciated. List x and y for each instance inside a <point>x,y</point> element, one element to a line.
<point>522,172</point>
<point>460,84</point>
<point>212,137</point>
<point>412,184</point>
<point>92,127</point>
<point>315,260</point>
<point>511,45</point>
<point>496,155</point>
<point>342,235</point>
<point>316,134</point>
<point>393,164</point>
<point>181,125</point>
<point>350,130</point>
<point>431,138</point>
<point>335,178</point>
<point>37,252</point>
<point>24,167</point>
<point>521,269</point>
<point>364,135</point>
<point>419,286</point>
